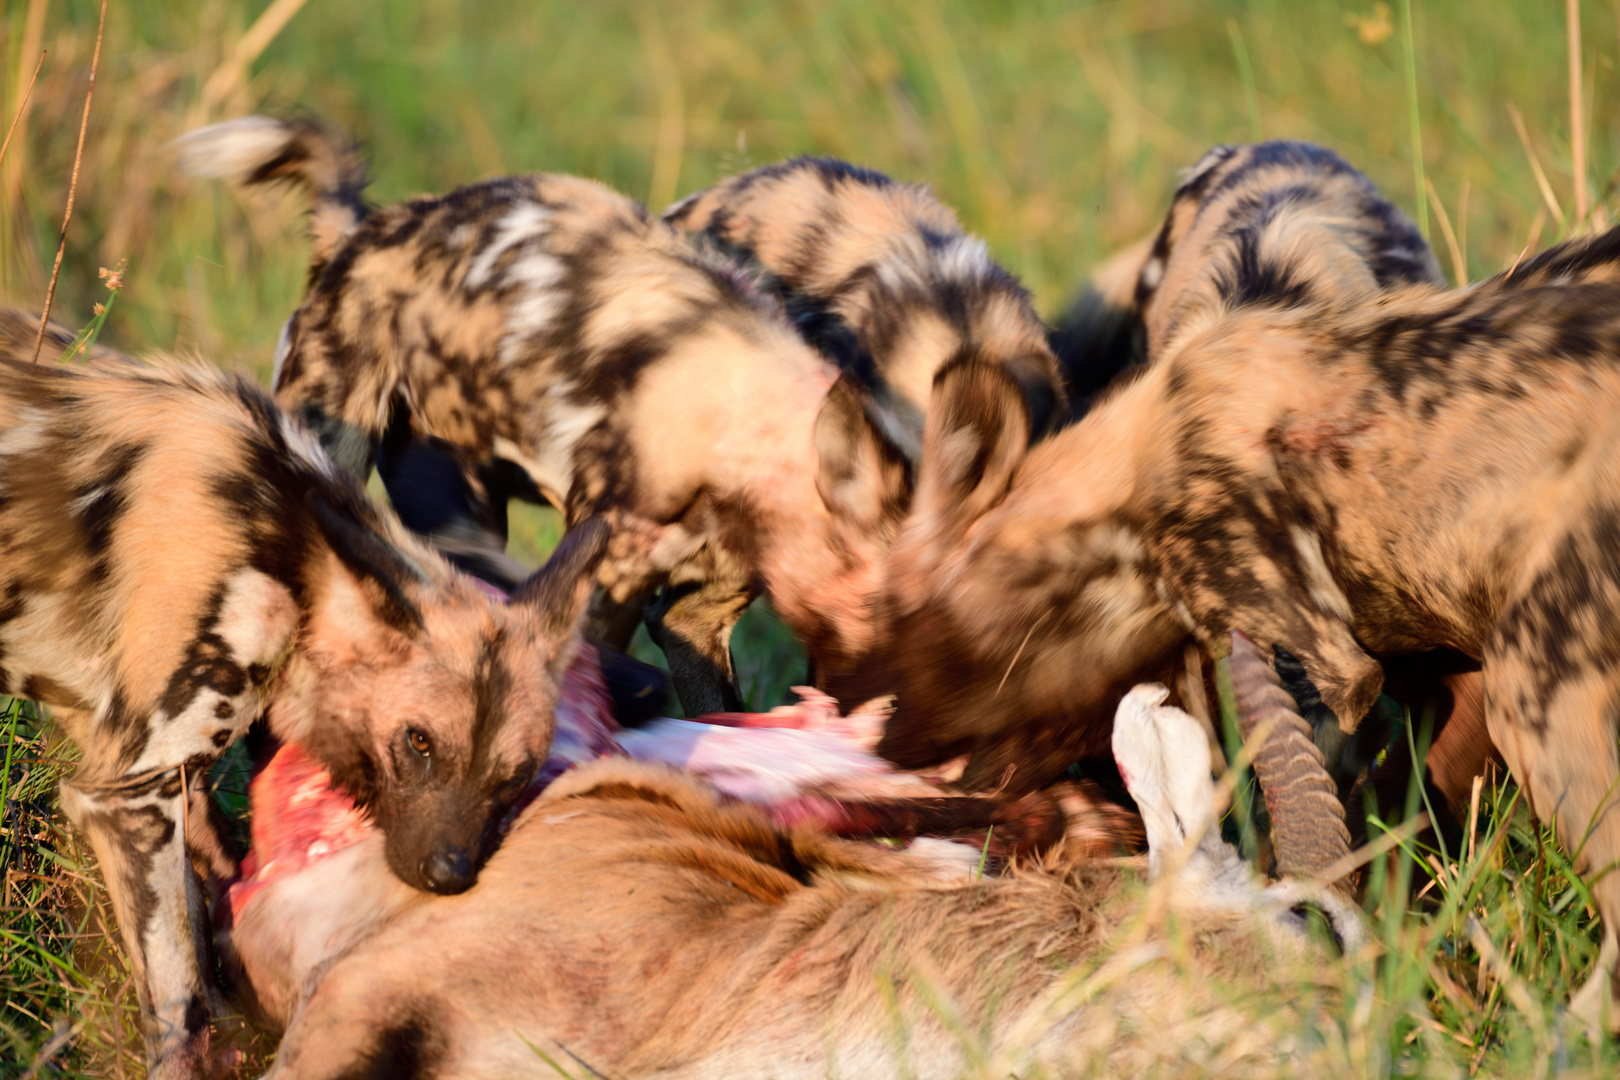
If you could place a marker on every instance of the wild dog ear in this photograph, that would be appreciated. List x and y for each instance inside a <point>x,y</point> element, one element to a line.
<point>863,476</point>
<point>386,575</point>
<point>557,592</point>
<point>975,438</point>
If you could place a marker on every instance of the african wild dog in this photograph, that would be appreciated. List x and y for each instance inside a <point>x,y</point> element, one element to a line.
<point>544,337</point>
<point>634,924</point>
<point>177,557</point>
<point>1272,225</point>
<point>882,279</point>
<point>1276,223</point>
<point>1436,470</point>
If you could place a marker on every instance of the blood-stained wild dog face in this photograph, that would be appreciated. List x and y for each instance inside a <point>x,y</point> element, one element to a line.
<point>433,711</point>
<point>176,557</point>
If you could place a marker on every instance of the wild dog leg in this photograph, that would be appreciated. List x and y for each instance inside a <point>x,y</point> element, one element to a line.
<point>1232,573</point>
<point>1560,743</point>
<point>139,839</point>
<point>692,624</point>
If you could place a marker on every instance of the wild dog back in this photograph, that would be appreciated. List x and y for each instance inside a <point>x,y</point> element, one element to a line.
<point>545,338</point>
<point>1280,224</point>
<point>882,279</point>
<point>176,557</point>
<point>1274,224</point>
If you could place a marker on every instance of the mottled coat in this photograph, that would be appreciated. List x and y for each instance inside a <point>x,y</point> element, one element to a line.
<point>1279,223</point>
<point>1434,471</point>
<point>543,337</point>
<point>177,557</point>
<point>881,277</point>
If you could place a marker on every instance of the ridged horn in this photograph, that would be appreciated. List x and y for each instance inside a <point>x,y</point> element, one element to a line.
<point>1307,819</point>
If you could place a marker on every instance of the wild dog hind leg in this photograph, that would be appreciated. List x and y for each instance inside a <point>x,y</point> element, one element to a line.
<point>139,838</point>
<point>1559,738</point>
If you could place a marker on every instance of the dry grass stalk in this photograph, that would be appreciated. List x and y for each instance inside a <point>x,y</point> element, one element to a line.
<point>671,145</point>
<point>1459,267</point>
<point>232,71</point>
<point>1535,166</point>
<point>73,185</point>
<point>1577,125</point>
<point>21,106</point>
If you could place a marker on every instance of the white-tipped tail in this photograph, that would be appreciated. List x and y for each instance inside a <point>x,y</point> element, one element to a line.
<point>236,149</point>
<point>264,149</point>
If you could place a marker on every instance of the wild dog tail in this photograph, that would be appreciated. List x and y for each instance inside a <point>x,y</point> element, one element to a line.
<point>264,150</point>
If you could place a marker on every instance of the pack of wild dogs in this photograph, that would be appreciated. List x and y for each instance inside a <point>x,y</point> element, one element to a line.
<point>1267,432</point>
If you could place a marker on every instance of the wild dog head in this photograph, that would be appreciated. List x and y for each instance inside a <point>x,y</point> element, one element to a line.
<point>1016,606</point>
<point>430,703</point>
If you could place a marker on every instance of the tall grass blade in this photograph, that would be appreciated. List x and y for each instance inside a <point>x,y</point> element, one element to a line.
<point>73,186</point>
<point>1413,117</point>
<point>22,106</point>
<point>1577,123</point>
<point>1246,73</point>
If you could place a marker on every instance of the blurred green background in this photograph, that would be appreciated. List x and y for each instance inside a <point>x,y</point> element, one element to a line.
<point>1056,129</point>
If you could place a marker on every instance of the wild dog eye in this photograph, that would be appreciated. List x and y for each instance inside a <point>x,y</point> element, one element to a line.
<point>420,742</point>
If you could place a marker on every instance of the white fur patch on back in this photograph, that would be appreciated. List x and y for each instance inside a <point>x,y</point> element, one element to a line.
<point>524,222</point>
<point>964,259</point>
<point>23,431</point>
<point>536,276</point>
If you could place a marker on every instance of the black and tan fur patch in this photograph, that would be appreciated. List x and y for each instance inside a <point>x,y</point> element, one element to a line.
<point>543,337</point>
<point>881,278</point>
<point>1278,224</point>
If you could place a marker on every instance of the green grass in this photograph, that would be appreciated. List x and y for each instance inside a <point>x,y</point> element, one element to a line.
<point>1055,128</point>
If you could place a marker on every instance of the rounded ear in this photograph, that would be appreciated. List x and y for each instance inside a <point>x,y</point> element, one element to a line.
<point>557,592</point>
<point>976,436</point>
<point>863,478</point>
<point>383,571</point>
